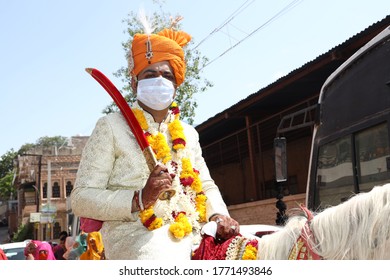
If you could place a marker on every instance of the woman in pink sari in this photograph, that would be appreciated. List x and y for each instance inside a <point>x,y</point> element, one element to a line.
<point>30,252</point>
<point>45,252</point>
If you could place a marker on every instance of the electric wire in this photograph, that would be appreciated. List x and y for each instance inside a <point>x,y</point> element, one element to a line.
<point>287,8</point>
<point>229,19</point>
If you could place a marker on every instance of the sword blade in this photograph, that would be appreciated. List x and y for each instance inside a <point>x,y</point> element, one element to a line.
<point>127,113</point>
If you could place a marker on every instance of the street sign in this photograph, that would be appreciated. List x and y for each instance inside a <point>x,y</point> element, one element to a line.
<point>35,217</point>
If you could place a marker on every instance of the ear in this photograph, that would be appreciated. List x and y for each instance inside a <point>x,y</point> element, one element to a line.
<point>134,84</point>
<point>174,94</point>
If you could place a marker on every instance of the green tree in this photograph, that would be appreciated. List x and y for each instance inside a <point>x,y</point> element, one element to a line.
<point>7,162</point>
<point>7,175</point>
<point>25,148</point>
<point>47,141</point>
<point>25,231</point>
<point>6,189</point>
<point>193,84</point>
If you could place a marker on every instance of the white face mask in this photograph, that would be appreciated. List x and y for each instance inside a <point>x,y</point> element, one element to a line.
<point>156,93</point>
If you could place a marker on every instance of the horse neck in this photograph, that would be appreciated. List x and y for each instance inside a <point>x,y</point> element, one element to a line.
<point>277,246</point>
<point>356,229</point>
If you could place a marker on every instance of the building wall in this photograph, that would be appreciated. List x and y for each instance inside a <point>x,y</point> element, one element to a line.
<point>235,179</point>
<point>33,174</point>
<point>298,156</point>
<point>63,170</point>
<point>262,211</point>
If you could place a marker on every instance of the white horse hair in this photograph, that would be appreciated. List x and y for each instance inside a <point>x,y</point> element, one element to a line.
<point>358,229</point>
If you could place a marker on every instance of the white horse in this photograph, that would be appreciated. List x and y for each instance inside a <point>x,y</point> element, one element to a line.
<point>358,229</point>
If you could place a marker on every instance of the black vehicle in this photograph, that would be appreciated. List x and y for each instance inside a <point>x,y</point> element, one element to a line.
<point>350,150</point>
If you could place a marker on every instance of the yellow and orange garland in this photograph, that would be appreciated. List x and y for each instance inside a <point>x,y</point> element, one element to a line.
<point>242,248</point>
<point>189,177</point>
<point>250,252</point>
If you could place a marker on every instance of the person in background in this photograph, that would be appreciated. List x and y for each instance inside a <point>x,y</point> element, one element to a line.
<point>31,252</point>
<point>60,249</point>
<point>114,184</point>
<point>45,251</point>
<point>78,248</point>
<point>3,256</point>
<point>69,244</point>
<point>82,240</point>
<point>95,249</point>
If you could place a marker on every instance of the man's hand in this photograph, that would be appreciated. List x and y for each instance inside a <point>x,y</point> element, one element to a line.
<point>159,181</point>
<point>227,227</point>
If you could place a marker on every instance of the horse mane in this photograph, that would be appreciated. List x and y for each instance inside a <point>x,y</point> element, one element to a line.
<point>359,228</point>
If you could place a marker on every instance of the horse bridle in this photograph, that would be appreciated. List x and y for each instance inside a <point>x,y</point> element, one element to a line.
<point>303,249</point>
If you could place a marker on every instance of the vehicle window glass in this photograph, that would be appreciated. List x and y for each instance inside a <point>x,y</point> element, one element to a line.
<point>15,254</point>
<point>335,173</point>
<point>372,148</point>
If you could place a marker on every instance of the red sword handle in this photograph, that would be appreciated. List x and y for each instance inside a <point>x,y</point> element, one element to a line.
<point>131,121</point>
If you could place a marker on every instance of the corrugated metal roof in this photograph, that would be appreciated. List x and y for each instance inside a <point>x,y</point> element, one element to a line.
<point>338,53</point>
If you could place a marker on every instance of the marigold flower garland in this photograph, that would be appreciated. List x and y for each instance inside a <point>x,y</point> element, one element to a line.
<point>250,252</point>
<point>241,248</point>
<point>181,227</point>
<point>189,177</point>
<point>149,219</point>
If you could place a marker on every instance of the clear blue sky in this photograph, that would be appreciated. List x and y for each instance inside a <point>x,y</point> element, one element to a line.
<point>45,46</point>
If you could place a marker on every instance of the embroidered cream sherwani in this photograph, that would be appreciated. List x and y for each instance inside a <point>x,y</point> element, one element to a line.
<point>111,169</point>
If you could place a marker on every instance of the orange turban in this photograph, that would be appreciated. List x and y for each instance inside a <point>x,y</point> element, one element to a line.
<point>166,46</point>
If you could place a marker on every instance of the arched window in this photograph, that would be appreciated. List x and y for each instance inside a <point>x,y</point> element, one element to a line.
<point>44,190</point>
<point>69,188</point>
<point>56,190</point>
